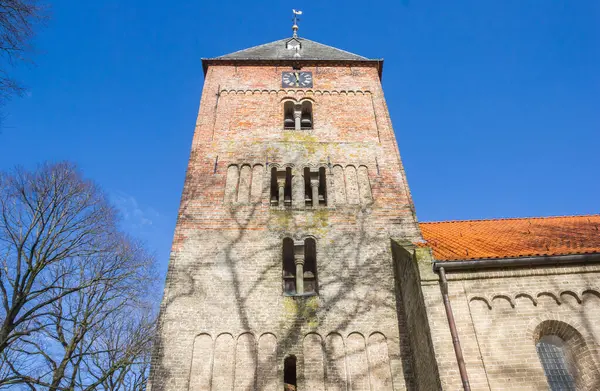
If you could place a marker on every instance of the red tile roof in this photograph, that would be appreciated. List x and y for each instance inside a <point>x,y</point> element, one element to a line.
<point>508,238</point>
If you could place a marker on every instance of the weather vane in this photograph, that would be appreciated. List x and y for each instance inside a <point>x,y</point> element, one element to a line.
<point>295,20</point>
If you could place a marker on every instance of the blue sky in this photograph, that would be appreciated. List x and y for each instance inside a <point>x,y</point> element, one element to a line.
<point>495,103</point>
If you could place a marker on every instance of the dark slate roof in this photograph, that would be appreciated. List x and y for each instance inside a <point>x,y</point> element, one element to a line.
<point>278,50</point>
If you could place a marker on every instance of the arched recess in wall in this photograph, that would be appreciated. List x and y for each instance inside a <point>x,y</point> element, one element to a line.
<point>257,183</point>
<point>202,360</point>
<point>223,367</point>
<point>356,358</point>
<point>352,186</point>
<point>565,356</point>
<point>314,367</point>
<point>245,362</point>
<point>336,366</point>
<point>364,186</point>
<point>244,186</point>
<point>379,362</point>
<point>339,184</point>
<point>267,363</point>
<point>231,183</point>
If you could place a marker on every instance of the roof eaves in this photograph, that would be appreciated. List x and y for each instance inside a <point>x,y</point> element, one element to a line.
<point>525,261</point>
<point>211,61</point>
<point>506,219</point>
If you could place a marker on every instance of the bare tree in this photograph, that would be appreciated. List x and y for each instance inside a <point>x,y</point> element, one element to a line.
<point>72,286</point>
<point>18,19</point>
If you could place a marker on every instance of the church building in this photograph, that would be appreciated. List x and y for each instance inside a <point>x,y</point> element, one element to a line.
<point>298,262</point>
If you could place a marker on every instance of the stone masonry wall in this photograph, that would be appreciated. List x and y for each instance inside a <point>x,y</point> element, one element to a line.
<point>501,315</point>
<point>225,323</point>
<point>412,308</point>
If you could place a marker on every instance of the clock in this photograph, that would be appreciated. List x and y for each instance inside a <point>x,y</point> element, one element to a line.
<point>296,79</point>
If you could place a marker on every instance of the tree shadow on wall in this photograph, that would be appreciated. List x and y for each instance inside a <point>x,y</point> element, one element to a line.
<point>247,218</point>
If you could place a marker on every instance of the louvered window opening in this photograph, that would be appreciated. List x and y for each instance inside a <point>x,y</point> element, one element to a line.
<point>297,116</point>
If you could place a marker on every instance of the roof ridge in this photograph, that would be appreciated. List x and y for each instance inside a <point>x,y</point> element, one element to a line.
<point>508,218</point>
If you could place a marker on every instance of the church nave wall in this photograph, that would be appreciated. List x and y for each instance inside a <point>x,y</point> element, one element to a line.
<point>501,316</point>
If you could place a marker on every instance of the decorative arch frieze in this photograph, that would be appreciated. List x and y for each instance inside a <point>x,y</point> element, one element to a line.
<point>569,294</point>
<point>503,298</point>
<point>558,298</point>
<point>481,299</point>
<point>291,93</point>
<point>527,297</point>
<point>551,295</point>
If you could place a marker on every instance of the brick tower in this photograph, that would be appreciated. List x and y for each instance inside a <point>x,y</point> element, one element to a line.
<point>282,270</point>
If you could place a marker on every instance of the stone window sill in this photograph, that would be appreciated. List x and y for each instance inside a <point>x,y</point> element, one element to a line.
<point>301,295</point>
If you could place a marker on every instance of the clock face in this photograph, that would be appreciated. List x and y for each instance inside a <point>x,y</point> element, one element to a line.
<point>296,79</point>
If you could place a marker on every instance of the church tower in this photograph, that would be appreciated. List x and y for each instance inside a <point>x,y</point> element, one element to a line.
<point>282,273</point>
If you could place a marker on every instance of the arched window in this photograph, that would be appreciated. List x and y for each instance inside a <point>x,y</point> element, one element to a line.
<point>298,116</point>
<point>288,115</point>
<point>553,356</point>
<point>306,118</point>
<point>299,267</point>
<point>315,187</point>
<point>274,187</point>
<point>289,373</point>
<point>281,187</point>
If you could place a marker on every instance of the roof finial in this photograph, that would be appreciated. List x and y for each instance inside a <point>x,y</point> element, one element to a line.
<point>295,20</point>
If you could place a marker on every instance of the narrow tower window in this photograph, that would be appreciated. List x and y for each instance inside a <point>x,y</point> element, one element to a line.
<point>289,267</point>
<point>322,187</point>
<point>274,187</point>
<point>307,189</point>
<point>315,187</point>
<point>306,118</point>
<point>550,349</point>
<point>281,187</point>
<point>288,187</point>
<point>289,373</point>
<point>310,266</point>
<point>288,115</point>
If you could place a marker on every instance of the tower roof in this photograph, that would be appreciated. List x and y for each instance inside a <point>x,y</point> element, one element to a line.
<point>285,49</point>
<point>292,49</point>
